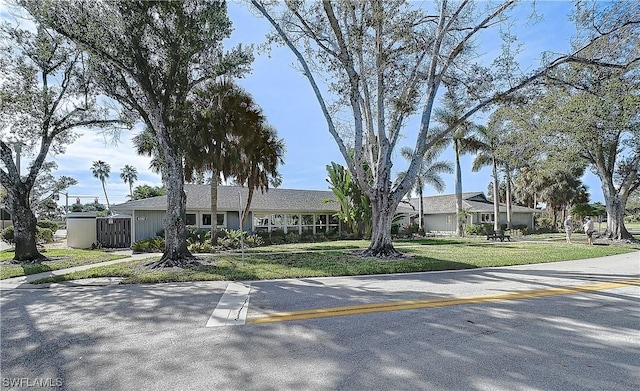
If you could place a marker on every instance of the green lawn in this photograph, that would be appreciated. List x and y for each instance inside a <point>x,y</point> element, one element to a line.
<point>60,259</point>
<point>337,259</point>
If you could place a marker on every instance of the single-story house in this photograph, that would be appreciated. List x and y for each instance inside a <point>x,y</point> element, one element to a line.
<point>302,211</point>
<point>286,210</point>
<point>439,213</point>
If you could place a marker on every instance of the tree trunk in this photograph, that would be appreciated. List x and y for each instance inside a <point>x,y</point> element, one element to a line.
<point>615,218</point>
<point>459,212</point>
<point>381,245</point>
<point>215,175</point>
<point>496,198</point>
<point>508,200</point>
<point>176,253</point>
<point>24,229</point>
<point>104,188</point>
<point>245,213</point>
<point>420,212</point>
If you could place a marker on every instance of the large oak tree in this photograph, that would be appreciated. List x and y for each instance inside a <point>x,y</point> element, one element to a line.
<point>46,95</point>
<point>151,55</point>
<point>387,60</point>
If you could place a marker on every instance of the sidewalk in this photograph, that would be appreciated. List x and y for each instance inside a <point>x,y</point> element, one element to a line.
<point>23,282</point>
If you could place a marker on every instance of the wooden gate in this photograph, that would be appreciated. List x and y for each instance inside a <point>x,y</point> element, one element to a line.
<point>114,232</point>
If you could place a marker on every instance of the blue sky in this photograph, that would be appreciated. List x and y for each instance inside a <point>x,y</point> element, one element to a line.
<point>287,100</point>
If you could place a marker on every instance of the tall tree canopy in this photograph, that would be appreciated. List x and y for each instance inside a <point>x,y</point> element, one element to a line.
<point>46,95</point>
<point>428,175</point>
<point>149,56</point>
<point>596,115</point>
<point>386,60</point>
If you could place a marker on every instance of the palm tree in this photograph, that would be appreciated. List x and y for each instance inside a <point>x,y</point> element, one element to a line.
<point>146,144</point>
<point>259,163</point>
<point>223,121</point>
<point>101,170</point>
<point>355,207</point>
<point>463,142</point>
<point>487,156</point>
<point>129,175</point>
<point>428,174</point>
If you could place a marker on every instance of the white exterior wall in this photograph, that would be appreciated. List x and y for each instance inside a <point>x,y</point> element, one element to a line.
<point>81,229</point>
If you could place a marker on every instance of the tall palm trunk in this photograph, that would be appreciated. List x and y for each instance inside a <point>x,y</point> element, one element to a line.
<point>458,186</point>
<point>104,189</point>
<point>420,211</point>
<point>215,175</point>
<point>508,200</point>
<point>245,212</point>
<point>496,197</point>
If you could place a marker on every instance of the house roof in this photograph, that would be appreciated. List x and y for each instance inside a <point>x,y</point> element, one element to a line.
<point>475,202</point>
<point>199,198</point>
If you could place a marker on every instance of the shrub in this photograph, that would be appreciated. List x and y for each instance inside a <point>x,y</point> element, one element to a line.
<point>44,235</point>
<point>201,247</point>
<point>52,225</point>
<point>277,237</point>
<point>7,235</point>
<point>231,239</point>
<point>292,237</point>
<point>474,229</point>
<point>253,241</point>
<point>545,225</point>
<point>264,236</point>
<point>307,237</point>
<point>523,228</point>
<point>320,237</point>
<point>152,245</point>
<point>196,235</point>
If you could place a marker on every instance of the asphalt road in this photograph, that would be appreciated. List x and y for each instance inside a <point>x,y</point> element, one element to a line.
<point>153,337</point>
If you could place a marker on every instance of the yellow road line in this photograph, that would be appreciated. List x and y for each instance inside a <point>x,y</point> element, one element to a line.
<point>441,302</point>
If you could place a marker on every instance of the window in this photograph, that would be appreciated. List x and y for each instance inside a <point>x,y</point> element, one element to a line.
<point>293,219</point>
<point>191,219</point>
<point>206,219</point>
<point>321,220</point>
<point>486,217</point>
<point>293,223</point>
<point>277,220</point>
<point>260,220</point>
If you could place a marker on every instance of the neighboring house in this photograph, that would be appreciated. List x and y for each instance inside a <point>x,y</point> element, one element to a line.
<point>284,210</point>
<point>440,212</point>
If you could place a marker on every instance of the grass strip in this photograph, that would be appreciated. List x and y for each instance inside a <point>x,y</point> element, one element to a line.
<point>60,259</point>
<point>299,262</point>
